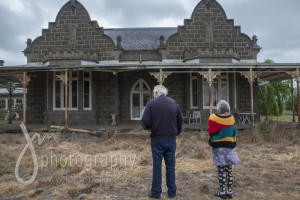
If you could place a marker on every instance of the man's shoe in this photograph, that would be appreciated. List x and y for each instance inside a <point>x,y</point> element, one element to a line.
<point>222,196</point>
<point>172,196</point>
<point>153,197</point>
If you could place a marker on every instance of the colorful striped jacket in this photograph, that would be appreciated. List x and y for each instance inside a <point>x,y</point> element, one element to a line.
<point>222,131</point>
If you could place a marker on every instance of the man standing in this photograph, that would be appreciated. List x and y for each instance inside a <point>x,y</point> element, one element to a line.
<point>163,117</point>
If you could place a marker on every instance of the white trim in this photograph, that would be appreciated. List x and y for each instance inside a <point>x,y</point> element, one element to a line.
<point>108,62</point>
<point>234,61</point>
<point>171,61</point>
<point>193,61</point>
<point>84,62</point>
<point>129,62</point>
<point>248,61</point>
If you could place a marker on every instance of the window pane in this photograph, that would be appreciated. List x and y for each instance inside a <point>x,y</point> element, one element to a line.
<point>194,92</point>
<point>135,105</point>
<point>195,100</point>
<point>74,94</point>
<point>194,74</point>
<point>137,88</point>
<point>214,93</point>
<point>19,101</point>
<point>145,88</point>
<point>219,91</point>
<point>215,90</point>
<point>63,95</point>
<point>194,85</point>
<point>146,99</point>
<point>74,74</point>
<point>86,91</point>
<point>10,102</point>
<point>2,104</point>
<point>57,94</point>
<point>86,75</point>
<point>206,94</point>
<point>136,99</point>
<point>224,89</point>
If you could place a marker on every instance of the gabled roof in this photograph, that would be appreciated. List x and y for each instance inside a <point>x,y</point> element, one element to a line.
<point>140,38</point>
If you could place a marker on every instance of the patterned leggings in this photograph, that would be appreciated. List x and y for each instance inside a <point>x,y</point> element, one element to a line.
<point>225,178</point>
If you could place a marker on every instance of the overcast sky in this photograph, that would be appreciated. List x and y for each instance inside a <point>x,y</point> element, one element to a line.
<point>275,22</point>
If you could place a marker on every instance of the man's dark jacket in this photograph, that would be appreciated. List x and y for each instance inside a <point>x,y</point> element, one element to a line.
<point>163,117</point>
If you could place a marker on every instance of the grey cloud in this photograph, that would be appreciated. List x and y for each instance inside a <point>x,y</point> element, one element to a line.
<point>136,13</point>
<point>274,22</point>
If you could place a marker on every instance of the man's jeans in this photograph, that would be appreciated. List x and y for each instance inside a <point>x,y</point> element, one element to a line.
<point>163,148</point>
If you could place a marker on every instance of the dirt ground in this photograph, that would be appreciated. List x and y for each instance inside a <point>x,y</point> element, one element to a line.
<point>83,166</point>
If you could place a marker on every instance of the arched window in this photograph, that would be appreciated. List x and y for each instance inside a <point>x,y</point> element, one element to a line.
<point>139,97</point>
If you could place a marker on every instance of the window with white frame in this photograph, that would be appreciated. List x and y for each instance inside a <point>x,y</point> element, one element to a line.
<point>59,91</point>
<point>219,91</point>
<point>140,96</point>
<point>3,104</point>
<point>194,91</point>
<point>19,102</point>
<point>86,90</point>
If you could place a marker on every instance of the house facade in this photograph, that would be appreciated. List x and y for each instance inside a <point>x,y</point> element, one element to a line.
<point>96,74</point>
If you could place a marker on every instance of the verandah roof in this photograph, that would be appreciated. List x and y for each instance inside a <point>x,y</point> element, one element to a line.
<point>266,71</point>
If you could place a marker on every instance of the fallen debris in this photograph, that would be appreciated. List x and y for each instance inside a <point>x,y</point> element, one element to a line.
<point>109,133</point>
<point>62,128</point>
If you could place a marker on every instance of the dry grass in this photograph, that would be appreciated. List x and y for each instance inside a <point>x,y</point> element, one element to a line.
<point>121,167</point>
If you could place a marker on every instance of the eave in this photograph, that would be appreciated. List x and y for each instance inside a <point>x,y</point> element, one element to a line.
<point>266,71</point>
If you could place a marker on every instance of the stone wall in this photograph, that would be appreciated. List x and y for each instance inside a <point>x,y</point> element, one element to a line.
<point>105,96</point>
<point>72,36</point>
<point>36,97</point>
<point>210,34</point>
<point>175,83</point>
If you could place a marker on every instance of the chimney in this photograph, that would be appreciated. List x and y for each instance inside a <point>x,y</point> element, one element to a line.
<point>1,63</point>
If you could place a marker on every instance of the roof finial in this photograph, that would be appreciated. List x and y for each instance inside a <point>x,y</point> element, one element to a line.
<point>29,41</point>
<point>73,4</point>
<point>161,41</point>
<point>208,4</point>
<point>119,41</point>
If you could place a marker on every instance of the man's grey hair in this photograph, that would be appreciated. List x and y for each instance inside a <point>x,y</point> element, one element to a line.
<point>160,90</point>
<point>223,107</point>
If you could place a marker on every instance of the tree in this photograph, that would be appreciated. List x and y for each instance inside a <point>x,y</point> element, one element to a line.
<point>292,99</point>
<point>273,96</point>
